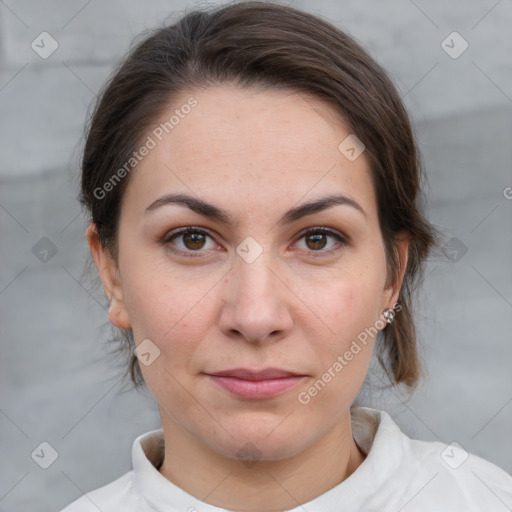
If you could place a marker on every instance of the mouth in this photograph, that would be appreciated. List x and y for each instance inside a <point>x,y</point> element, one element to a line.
<point>256,384</point>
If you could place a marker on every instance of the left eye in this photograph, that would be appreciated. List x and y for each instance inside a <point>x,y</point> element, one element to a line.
<point>316,239</point>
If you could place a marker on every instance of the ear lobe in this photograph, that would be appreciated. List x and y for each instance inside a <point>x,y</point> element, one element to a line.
<point>108,271</point>
<point>118,317</point>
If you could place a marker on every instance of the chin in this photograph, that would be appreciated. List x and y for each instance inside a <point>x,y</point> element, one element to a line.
<point>251,451</point>
<point>264,440</point>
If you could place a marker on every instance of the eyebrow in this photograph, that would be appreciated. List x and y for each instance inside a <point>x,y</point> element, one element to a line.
<point>214,212</point>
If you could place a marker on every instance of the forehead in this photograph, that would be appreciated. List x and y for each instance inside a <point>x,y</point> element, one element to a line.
<point>244,146</point>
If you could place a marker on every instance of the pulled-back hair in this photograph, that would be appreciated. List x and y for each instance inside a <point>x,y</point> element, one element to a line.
<point>265,45</point>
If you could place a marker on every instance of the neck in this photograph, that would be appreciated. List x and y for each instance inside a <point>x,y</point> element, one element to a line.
<point>259,485</point>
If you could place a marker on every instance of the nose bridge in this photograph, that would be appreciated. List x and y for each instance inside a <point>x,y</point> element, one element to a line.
<point>255,280</point>
<point>255,304</point>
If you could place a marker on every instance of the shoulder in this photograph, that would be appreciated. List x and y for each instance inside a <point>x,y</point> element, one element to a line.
<point>458,478</point>
<point>125,493</point>
<point>121,494</point>
<point>438,476</point>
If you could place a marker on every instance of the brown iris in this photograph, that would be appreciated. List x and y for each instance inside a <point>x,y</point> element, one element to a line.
<point>194,241</point>
<point>318,241</point>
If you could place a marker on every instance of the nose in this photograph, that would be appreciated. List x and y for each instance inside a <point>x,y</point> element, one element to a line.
<point>256,302</point>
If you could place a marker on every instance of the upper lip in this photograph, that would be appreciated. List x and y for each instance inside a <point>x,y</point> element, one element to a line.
<point>265,374</point>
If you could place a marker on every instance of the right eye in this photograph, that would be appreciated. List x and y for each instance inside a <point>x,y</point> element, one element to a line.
<point>192,240</point>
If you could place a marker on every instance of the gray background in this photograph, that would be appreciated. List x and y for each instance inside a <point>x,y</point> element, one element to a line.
<point>57,382</point>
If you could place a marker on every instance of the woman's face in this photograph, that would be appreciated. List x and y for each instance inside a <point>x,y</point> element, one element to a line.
<point>247,289</point>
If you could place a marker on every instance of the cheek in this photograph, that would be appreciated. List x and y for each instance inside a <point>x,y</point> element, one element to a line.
<point>347,311</point>
<point>159,301</point>
<point>176,323</point>
<point>347,306</point>
<point>175,316</point>
<point>345,349</point>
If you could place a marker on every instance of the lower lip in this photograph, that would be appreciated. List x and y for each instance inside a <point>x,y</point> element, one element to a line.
<point>256,388</point>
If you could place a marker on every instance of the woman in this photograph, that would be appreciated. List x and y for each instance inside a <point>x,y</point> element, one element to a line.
<point>252,182</point>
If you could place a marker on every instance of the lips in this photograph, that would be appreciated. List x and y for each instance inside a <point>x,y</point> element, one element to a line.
<point>266,374</point>
<point>256,384</point>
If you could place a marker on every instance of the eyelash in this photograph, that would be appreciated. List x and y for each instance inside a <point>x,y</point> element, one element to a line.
<point>194,254</point>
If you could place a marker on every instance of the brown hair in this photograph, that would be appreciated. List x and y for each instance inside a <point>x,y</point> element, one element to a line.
<point>261,44</point>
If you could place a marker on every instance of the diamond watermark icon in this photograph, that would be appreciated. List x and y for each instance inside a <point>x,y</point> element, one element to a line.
<point>44,250</point>
<point>351,147</point>
<point>454,249</point>
<point>454,45</point>
<point>454,455</point>
<point>249,454</point>
<point>44,45</point>
<point>249,249</point>
<point>44,455</point>
<point>147,352</point>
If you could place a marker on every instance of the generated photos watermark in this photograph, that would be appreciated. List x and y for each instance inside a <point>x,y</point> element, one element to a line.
<point>151,142</point>
<point>304,397</point>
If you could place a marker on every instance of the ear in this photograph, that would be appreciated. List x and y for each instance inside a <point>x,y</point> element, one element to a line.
<point>109,274</point>
<point>392,293</point>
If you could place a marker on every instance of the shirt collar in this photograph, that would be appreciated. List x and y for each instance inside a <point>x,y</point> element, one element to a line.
<point>374,432</point>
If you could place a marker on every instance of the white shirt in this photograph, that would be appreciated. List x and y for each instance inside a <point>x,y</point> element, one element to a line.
<point>398,474</point>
